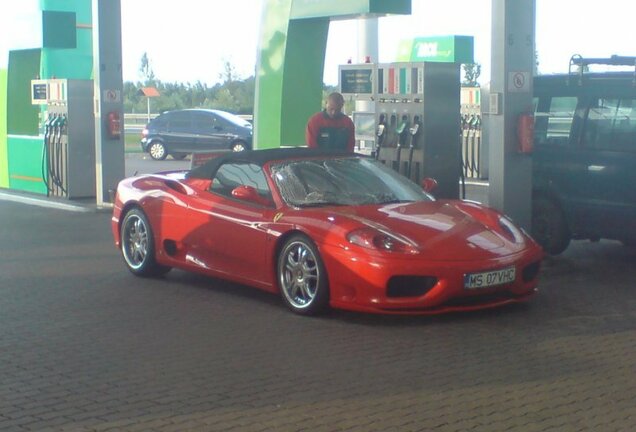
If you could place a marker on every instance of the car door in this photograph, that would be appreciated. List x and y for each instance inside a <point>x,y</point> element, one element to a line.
<point>180,135</point>
<point>212,132</point>
<point>557,123</point>
<point>606,160</point>
<point>234,238</point>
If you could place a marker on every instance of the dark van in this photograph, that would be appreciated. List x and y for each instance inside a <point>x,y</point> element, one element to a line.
<point>584,160</point>
<point>186,131</point>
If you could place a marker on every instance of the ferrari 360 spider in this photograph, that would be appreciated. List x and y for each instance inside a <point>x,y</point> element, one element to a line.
<point>324,229</point>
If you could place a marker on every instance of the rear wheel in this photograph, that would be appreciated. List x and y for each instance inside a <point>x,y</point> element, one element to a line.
<point>178,156</point>
<point>157,150</point>
<point>302,277</point>
<point>138,245</point>
<point>549,227</point>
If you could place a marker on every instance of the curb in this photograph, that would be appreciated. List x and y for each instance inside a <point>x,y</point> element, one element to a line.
<point>53,203</point>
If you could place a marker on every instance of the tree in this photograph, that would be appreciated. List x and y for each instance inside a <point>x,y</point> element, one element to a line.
<point>471,74</point>
<point>146,70</point>
<point>229,73</point>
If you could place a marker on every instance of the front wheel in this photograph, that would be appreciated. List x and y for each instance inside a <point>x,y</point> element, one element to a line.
<point>138,245</point>
<point>302,277</point>
<point>157,150</point>
<point>549,227</point>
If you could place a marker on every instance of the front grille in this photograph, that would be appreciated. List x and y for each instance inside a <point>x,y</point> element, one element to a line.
<point>531,271</point>
<point>410,286</point>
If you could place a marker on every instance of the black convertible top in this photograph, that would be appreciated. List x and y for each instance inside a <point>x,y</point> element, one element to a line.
<point>259,157</point>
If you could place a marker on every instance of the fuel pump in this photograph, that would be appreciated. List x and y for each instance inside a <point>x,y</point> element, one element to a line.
<point>417,117</point>
<point>68,150</point>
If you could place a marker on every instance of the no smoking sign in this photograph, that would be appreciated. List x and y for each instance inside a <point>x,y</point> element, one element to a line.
<point>518,81</point>
<point>112,96</point>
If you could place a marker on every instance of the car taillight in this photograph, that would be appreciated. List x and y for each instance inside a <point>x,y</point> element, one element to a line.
<point>371,238</point>
<point>144,133</point>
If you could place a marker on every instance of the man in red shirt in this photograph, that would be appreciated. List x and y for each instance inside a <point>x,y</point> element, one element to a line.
<point>331,129</point>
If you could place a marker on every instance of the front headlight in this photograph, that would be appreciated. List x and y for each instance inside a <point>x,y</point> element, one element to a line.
<point>512,232</point>
<point>376,239</point>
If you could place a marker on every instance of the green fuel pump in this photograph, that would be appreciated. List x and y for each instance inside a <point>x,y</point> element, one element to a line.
<point>68,151</point>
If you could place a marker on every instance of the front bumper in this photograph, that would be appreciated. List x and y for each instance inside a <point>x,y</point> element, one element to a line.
<point>361,284</point>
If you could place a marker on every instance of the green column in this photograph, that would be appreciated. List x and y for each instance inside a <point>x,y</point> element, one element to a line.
<point>67,46</point>
<point>4,164</point>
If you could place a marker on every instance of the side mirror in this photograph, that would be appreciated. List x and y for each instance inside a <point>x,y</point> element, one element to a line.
<point>249,194</point>
<point>429,184</point>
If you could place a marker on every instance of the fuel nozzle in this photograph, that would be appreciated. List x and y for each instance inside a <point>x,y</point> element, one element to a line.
<point>381,125</point>
<point>403,130</point>
<point>415,127</point>
<point>48,124</point>
<point>63,121</point>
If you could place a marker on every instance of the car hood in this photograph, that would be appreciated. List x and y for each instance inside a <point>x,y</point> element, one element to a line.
<point>445,230</point>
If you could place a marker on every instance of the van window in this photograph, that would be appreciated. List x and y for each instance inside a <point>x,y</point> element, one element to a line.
<point>611,125</point>
<point>554,120</point>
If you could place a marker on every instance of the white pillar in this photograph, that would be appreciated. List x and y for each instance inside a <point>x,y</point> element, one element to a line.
<point>367,48</point>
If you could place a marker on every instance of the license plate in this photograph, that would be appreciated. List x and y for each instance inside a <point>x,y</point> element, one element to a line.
<point>489,279</point>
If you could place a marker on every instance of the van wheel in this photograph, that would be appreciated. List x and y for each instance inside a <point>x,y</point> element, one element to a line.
<point>549,228</point>
<point>239,146</point>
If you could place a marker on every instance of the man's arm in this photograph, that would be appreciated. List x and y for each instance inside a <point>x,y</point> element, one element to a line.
<point>311,133</point>
<point>351,131</point>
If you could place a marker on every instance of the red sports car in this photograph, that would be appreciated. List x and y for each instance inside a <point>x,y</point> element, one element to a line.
<point>324,229</point>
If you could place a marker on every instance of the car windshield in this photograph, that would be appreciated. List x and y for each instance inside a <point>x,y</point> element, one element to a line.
<point>234,119</point>
<point>343,181</point>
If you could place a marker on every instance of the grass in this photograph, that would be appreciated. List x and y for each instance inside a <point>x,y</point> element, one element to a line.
<point>131,143</point>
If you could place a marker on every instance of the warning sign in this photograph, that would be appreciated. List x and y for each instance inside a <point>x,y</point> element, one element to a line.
<point>518,82</point>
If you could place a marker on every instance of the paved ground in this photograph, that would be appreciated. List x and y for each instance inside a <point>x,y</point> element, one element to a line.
<point>85,346</point>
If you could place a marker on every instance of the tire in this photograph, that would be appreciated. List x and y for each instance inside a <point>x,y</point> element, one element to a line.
<point>138,245</point>
<point>302,277</point>
<point>179,156</point>
<point>238,146</point>
<point>157,150</point>
<point>549,227</point>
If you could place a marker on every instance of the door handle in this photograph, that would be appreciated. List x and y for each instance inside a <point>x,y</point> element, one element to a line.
<point>595,168</point>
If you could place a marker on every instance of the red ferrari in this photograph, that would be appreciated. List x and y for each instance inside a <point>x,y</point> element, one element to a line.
<point>324,229</point>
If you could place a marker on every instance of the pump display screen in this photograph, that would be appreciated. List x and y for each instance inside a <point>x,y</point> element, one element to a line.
<point>39,92</point>
<point>356,81</point>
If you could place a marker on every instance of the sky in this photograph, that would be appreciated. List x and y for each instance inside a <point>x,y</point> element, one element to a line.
<point>190,40</point>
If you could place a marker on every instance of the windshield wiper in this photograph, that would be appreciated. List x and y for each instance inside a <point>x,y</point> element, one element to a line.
<point>387,198</point>
<point>316,204</point>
